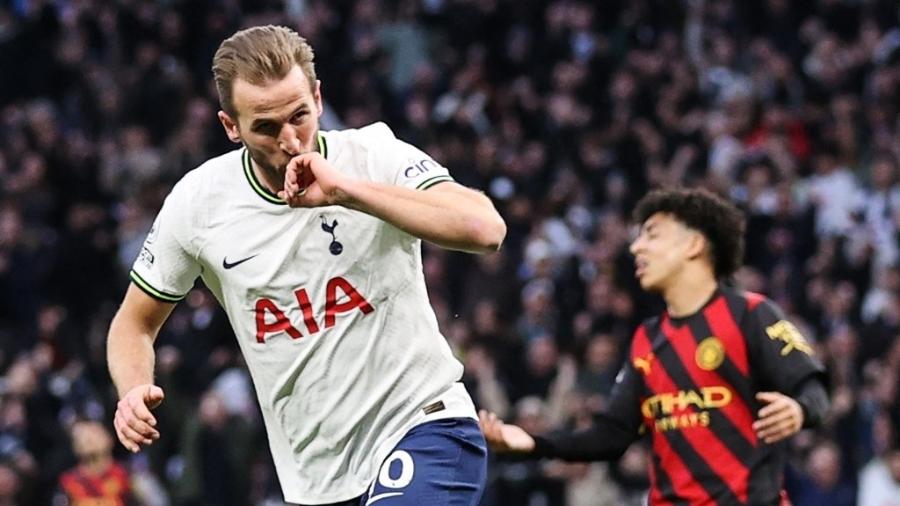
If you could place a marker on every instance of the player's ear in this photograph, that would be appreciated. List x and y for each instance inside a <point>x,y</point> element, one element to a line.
<point>697,245</point>
<point>231,126</point>
<point>317,96</point>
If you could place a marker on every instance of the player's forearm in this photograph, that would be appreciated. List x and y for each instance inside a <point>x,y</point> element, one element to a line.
<point>129,352</point>
<point>455,219</point>
<point>607,439</point>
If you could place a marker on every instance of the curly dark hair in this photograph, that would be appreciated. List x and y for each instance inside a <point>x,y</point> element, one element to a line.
<point>717,219</point>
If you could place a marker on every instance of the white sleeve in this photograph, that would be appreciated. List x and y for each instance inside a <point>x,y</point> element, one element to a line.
<point>164,268</point>
<point>401,163</point>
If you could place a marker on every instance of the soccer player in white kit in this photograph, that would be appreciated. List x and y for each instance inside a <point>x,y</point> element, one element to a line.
<point>311,241</point>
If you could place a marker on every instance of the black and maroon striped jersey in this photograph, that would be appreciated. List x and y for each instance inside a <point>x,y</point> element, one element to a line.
<point>690,383</point>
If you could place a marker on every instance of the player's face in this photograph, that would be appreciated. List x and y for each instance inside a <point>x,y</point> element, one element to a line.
<point>277,120</point>
<point>661,250</point>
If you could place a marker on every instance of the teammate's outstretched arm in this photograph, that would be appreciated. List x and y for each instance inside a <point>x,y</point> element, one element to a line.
<point>448,214</point>
<point>131,360</point>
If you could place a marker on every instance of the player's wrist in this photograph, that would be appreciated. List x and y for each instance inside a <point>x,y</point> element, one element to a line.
<point>801,410</point>
<point>347,193</point>
<point>540,447</point>
<point>133,387</point>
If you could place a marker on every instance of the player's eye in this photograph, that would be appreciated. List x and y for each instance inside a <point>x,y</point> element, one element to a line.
<point>267,128</point>
<point>298,118</point>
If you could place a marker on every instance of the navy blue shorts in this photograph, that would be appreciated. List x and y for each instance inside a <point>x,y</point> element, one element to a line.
<point>439,463</point>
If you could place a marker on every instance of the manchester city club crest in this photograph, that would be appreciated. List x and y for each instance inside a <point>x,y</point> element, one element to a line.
<point>710,354</point>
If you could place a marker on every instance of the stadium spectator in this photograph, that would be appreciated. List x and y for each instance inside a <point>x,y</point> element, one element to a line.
<point>823,481</point>
<point>98,479</point>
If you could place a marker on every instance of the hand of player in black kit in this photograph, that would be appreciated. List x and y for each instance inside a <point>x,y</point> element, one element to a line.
<point>504,437</point>
<point>780,418</point>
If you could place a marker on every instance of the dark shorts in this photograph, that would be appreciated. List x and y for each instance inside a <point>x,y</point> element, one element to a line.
<point>439,463</point>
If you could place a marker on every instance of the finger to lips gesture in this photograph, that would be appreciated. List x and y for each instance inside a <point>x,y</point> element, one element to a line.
<point>135,425</point>
<point>780,418</point>
<point>309,181</point>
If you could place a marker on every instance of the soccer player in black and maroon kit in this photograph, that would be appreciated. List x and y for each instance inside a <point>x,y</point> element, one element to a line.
<point>719,380</point>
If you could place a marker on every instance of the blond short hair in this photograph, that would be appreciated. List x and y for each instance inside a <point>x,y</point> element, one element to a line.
<point>258,55</point>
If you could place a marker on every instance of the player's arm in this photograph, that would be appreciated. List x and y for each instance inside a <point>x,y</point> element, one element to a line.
<point>791,379</point>
<point>162,274</point>
<point>447,214</point>
<point>131,360</point>
<point>610,435</point>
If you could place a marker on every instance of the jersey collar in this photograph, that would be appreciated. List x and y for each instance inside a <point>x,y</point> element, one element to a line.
<point>258,187</point>
<point>677,321</point>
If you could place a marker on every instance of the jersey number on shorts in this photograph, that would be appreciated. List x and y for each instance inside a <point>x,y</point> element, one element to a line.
<point>407,469</point>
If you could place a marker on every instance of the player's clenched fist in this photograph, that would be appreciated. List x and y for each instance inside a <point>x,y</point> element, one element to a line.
<point>504,437</point>
<point>135,425</point>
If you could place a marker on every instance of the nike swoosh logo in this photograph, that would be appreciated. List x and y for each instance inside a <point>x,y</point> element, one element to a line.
<point>379,497</point>
<point>228,265</point>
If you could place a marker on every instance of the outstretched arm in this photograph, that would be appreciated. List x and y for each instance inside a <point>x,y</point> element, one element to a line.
<point>447,214</point>
<point>606,439</point>
<point>131,359</point>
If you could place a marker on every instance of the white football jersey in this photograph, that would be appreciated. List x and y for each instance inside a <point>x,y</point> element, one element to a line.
<point>328,304</point>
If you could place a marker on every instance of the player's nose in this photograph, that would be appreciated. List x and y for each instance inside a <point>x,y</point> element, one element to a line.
<point>288,141</point>
<point>634,246</point>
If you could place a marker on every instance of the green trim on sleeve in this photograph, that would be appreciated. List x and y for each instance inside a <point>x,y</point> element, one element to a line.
<point>153,292</point>
<point>428,183</point>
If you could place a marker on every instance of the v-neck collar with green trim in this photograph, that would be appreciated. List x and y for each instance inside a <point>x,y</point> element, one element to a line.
<point>258,187</point>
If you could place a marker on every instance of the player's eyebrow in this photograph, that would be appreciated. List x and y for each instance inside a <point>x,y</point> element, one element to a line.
<point>277,119</point>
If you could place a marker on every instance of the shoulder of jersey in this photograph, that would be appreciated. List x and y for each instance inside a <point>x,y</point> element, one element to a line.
<point>197,181</point>
<point>752,299</point>
<point>648,323</point>
<point>370,134</point>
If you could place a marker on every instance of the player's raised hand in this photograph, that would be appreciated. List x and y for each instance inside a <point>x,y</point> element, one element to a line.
<point>135,425</point>
<point>310,181</point>
<point>780,418</point>
<point>504,437</point>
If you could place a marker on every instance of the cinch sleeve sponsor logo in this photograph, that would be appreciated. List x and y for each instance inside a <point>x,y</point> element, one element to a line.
<point>417,168</point>
<point>667,411</point>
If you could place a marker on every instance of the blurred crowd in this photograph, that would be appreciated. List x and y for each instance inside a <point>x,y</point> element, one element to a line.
<point>564,112</point>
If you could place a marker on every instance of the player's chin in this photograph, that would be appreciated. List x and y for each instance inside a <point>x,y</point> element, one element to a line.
<point>648,284</point>
<point>281,164</point>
